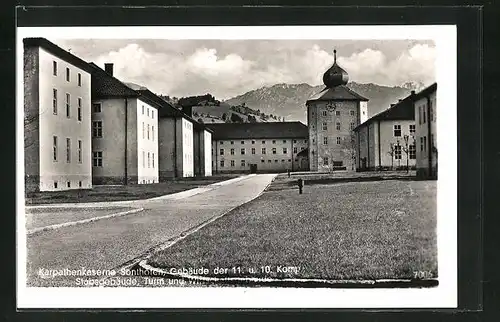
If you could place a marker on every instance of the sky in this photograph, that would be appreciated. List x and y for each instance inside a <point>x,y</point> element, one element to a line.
<point>227,68</point>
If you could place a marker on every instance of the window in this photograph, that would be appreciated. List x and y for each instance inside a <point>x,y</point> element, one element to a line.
<point>423,114</point>
<point>397,130</point>
<point>253,150</point>
<point>232,142</point>
<point>79,151</point>
<point>242,163</point>
<point>295,150</point>
<point>337,163</point>
<point>68,184</point>
<point>324,113</point>
<point>232,151</point>
<point>97,158</point>
<point>143,130</point>
<point>242,142</point>
<point>397,152</point>
<point>152,132</point>
<point>144,159</point>
<point>274,150</point>
<point>79,109</point>
<point>337,113</point>
<point>305,141</point>
<point>242,151</point>
<point>253,142</point>
<point>325,140</point>
<point>351,126</point>
<point>363,112</point>
<point>432,141</point>
<point>325,161</point>
<point>413,152</point>
<point>421,144</point>
<point>420,115</point>
<point>232,163</point>
<point>352,113</point>
<point>263,150</point>
<point>54,148</point>
<point>285,150</point>
<point>68,108</point>
<point>294,141</point>
<point>221,151</point>
<point>222,163</point>
<point>282,160</point>
<point>284,141</point>
<point>147,112</point>
<point>269,161</point>
<point>263,142</point>
<point>338,126</point>
<point>79,79</point>
<point>221,142</point>
<point>68,150</point>
<point>79,184</point>
<point>425,143</point>
<point>338,140</point>
<point>149,160</point>
<point>55,184</point>
<point>54,68</point>
<point>412,129</point>
<point>67,74</point>
<point>54,101</point>
<point>262,161</point>
<point>274,141</point>
<point>97,129</point>
<point>325,126</point>
<point>142,109</point>
<point>148,131</point>
<point>275,161</point>
<point>152,114</point>
<point>96,107</point>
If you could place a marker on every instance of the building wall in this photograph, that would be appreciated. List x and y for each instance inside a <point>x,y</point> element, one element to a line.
<point>424,140</point>
<point>342,151</point>
<point>197,156</point>
<point>363,115</point>
<point>207,153</point>
<point>77,174</point>
<point>167,148</point>
<point>147,143</point>
<point>185,148</point>
<point>281,161</point>
<point>112,144</point>
<point>31,117</point>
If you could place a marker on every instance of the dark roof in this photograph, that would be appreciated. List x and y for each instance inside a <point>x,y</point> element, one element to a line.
<point>275,130</point>
<point>104,85</point>
<point>426,91</point>
<point>341,93</point>
<point>57,51</point>
<point>403,110</point>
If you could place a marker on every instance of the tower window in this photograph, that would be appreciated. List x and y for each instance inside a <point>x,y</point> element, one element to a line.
<point>324,113</point>
<point>337,113</point>
<point>397,130</point>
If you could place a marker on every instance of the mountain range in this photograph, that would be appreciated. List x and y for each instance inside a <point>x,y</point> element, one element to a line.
<point>288,100</point>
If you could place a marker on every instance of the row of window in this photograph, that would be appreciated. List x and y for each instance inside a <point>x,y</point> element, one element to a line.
<point>68,105</point>
<point>146,130</point>
<point>352,125</point>
<point>263,142</point>
<point>412,151</point>
<point>397,129</point>
<point>422,113</point>
<point>55,149</point>
<point>147,112</point>
<point>326,161</point>
<point>337,113</point>
<point>325,140</point>
<point>68,74</point>
<point>97,158</point>
<point>68,184</point>
<point>263,151</point>
<point>244,164</point>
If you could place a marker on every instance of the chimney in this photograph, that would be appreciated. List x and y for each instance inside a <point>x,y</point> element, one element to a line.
<point>108,67</point>
<point>412,92</point>
<point>188,110</point>
<point>400,100</point>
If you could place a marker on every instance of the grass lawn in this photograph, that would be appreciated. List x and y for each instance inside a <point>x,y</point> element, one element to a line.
<point>130,192</point>
<point>362,230</point>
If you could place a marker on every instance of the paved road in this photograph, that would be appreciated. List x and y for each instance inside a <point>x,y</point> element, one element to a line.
<point>108,243</point>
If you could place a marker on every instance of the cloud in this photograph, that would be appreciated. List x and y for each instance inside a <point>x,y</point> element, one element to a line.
<point>233,68</point>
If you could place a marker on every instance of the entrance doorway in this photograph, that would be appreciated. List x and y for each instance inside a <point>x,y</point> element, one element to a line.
<point>253,168</point>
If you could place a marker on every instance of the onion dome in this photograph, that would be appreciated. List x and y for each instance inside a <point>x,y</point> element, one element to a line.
<point>335,75</point>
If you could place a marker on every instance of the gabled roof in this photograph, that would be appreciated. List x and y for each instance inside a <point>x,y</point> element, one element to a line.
<point>426,91</point>
<point>104,85</point>
<point>271,130</point>
<point>403,110</point>
<point>57,51</point>
<point>341,93</point>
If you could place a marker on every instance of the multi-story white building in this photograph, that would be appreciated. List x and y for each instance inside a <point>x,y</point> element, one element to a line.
<point>124,131</point>
<point>259,147</point>
<point>426,139</point>
<point>57,102</point>
<point>332,115</point>
<point>202,143</point>
<point>387,140</point>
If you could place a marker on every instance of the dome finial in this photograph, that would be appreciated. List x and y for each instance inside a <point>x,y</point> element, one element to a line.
<point>335,75</point>
<point>334,56</point>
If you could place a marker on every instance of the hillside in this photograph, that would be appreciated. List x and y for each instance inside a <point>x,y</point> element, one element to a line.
<point>288,100</point>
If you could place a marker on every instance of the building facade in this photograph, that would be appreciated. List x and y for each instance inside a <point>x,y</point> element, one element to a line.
<point>332,115</point>
<point>202,144</point>
<point>57,100</point>
<point>258,147</point>
<point>124,132</point>
<point>426,139</point>
<point>387,140</point>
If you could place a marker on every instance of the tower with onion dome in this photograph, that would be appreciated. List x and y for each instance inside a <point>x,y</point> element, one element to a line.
<point>332,114</point>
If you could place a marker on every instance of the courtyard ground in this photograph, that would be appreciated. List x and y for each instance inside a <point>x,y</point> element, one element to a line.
<point>122,192</point>
<point>382,229</point>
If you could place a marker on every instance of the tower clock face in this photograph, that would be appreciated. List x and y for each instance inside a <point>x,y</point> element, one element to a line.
<point>332,106</point>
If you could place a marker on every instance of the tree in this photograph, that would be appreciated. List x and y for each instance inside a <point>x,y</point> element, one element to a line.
<point>235,118</point>
<point>224,117</point>
<point>348,147</point>
<point>200,120</point>
<point>391,153</point>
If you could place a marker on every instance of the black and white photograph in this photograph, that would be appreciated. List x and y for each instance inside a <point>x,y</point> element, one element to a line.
<point>284,166</point>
